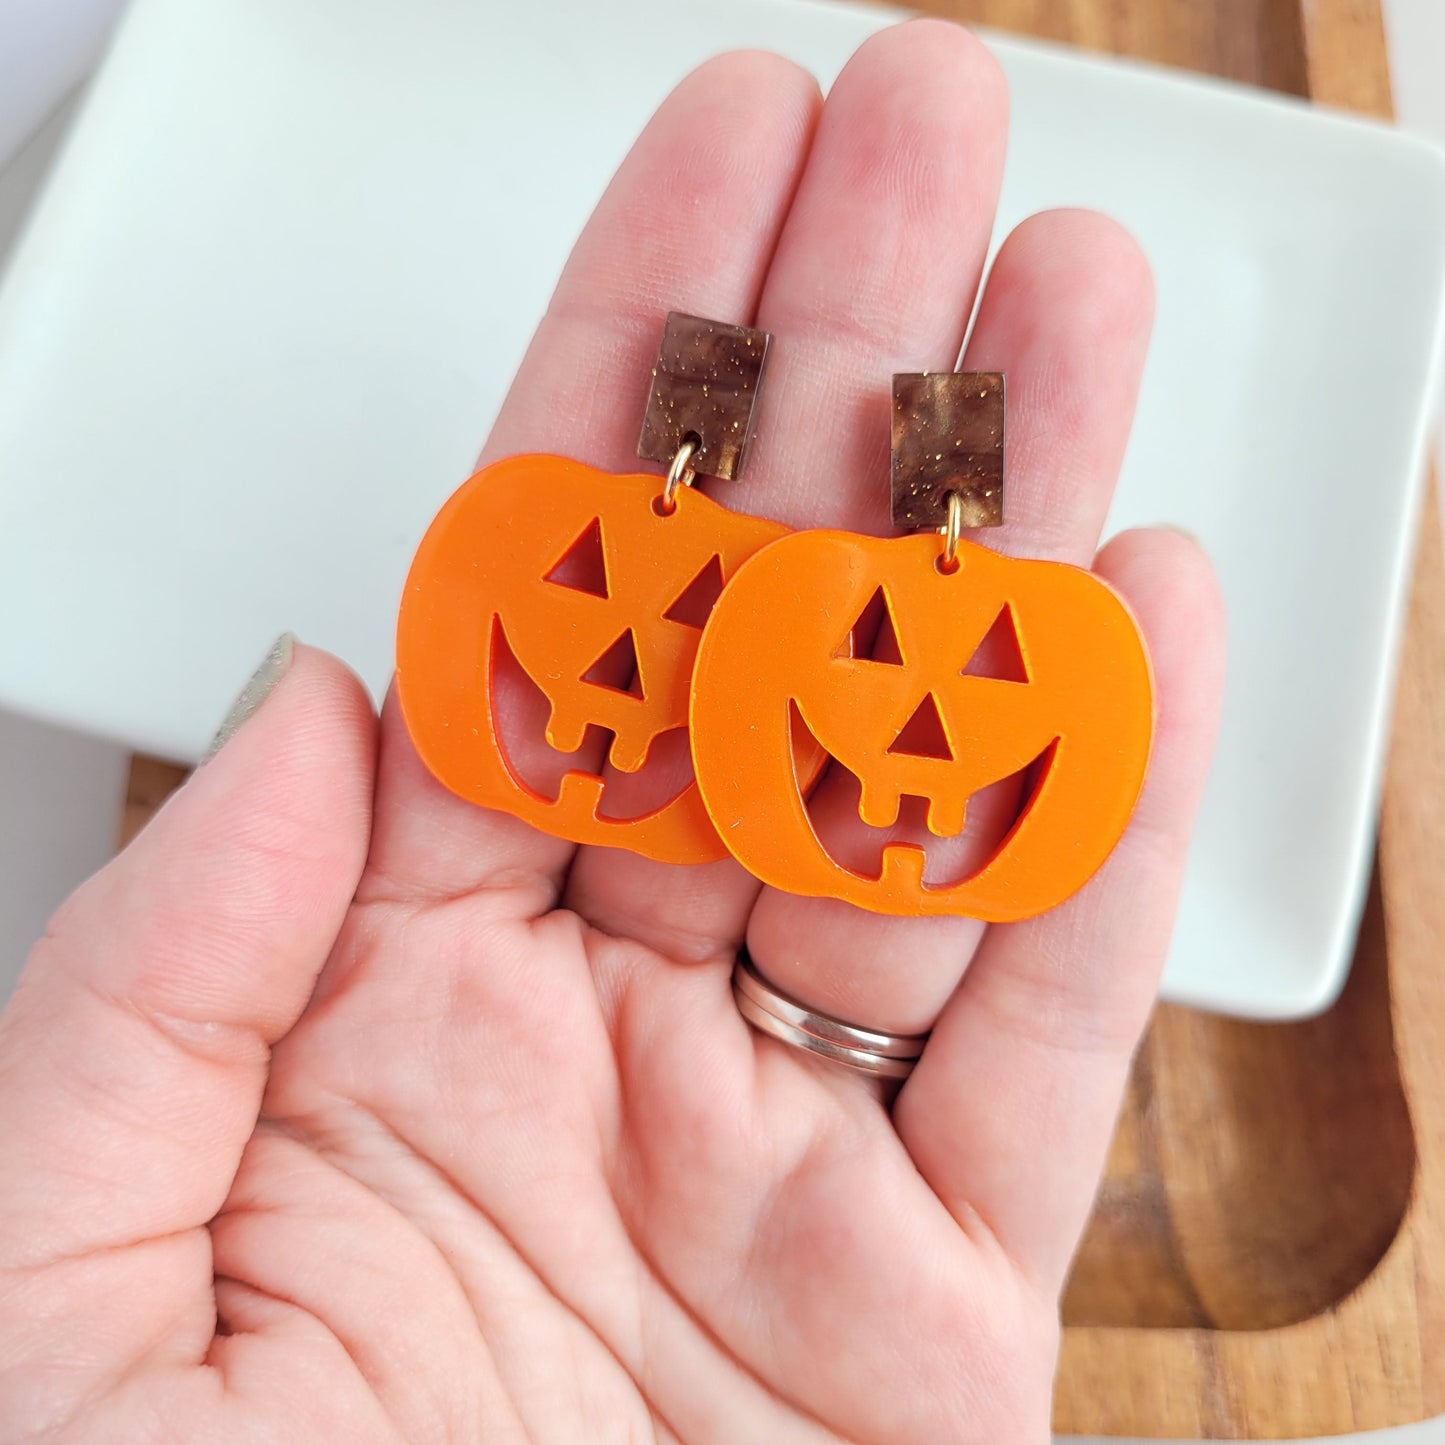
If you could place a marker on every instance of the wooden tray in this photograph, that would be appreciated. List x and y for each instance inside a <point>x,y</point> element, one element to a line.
<point>1267,1259</point>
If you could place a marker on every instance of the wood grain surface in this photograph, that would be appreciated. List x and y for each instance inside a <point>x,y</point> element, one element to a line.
<point>1267,1259</point>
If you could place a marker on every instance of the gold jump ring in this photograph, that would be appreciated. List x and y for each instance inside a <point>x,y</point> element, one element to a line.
<point>950,532</point>
<point>680,473</point>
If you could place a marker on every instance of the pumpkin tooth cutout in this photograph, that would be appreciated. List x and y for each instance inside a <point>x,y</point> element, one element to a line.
<point>566,563</point>
<point>1032,670</point>
<point>861,826</point>
<point>542,769</point>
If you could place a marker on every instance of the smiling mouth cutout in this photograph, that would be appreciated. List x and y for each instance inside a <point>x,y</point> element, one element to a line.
<point>574,780</point>
<point>867,829</point>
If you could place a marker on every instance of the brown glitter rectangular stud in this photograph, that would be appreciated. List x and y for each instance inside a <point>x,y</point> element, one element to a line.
<point>706,384</point>
<point>948,437</point>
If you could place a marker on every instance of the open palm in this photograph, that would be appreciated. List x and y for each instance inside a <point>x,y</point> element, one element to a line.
<point>337,1109</point>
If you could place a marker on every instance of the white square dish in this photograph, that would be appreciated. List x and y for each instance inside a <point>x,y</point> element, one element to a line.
<point>276,290</point>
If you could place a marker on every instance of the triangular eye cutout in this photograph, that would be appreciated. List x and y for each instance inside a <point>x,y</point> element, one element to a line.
<point>1000,654</point>
<point>876,619</point>
<point>583,566</point>
<point>617,667</point>
<point>922,736</point>
<point>885,643</point>
<point>697,599</point>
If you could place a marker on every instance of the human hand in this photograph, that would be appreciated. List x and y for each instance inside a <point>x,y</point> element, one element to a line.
<point>338,1109</point>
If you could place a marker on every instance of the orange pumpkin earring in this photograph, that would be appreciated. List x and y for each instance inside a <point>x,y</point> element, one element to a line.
<point>1072,718</point>
<point>597,586</point>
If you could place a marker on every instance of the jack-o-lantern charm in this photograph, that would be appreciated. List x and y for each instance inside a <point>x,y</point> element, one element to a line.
<point>1081,711</point>
<point>1071,722</point>
<point>592,589</point>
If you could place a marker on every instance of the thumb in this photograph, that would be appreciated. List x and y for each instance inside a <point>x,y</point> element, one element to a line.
<point>134,1053</point>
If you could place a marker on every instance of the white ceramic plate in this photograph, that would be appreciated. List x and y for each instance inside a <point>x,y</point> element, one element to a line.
<point>47,47</point>
<point>266,313</point>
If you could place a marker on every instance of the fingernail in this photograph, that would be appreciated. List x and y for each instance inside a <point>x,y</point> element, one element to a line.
<point>272,669</point>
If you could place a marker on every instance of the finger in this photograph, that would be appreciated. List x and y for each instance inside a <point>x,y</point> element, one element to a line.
<point>1010,1111</point>
<point>135,1050</point>
<point>1066,315</point>
<point>688,224</point>
<point>875,272</point>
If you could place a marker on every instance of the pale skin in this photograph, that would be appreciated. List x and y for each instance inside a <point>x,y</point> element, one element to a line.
<point>337,1109</point>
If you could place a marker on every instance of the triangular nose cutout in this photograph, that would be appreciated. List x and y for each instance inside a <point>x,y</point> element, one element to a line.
<point>697,599</point>
<point>922,736</point>
<point>1000,655</point>
<point>617,667</point>
<point>583,566</point>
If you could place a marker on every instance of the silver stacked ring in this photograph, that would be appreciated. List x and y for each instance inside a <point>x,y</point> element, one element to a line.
<point>886,1056</point>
